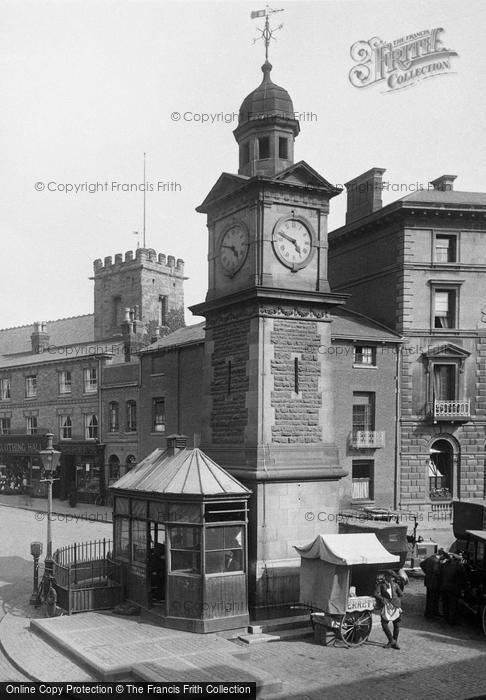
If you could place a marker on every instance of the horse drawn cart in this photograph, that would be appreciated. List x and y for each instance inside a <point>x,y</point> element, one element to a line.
<point>338,577</point>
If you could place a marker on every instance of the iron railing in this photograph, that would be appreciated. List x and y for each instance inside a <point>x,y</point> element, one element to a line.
<point>452,409</point>
<point>368,439</point>
<point>86,577</point>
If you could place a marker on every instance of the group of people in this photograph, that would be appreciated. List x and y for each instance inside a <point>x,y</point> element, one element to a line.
<point>444,581</point>
<point>10,482</point>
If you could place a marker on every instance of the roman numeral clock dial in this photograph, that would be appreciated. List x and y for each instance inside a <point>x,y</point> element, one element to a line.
<point>293,243</point>
<point>233,249</point>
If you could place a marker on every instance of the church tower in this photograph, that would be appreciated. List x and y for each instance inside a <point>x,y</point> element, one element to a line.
<point>146,287</point>
<point>269,415</point>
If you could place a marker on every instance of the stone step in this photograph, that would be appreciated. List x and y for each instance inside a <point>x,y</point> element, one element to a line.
<point>279,624</point>
<point>259,638</point>
<point>34,656</point>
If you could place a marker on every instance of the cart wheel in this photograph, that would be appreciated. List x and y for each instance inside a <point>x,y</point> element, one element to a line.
<point>355,627</point>
<point>483,619</point>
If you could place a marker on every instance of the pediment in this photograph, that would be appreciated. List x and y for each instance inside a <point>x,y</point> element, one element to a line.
<point>446,350</point>
<point>227,183</point>
<point>302,173</point>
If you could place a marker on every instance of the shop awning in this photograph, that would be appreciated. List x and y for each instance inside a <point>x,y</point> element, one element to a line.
<point>348,549</point>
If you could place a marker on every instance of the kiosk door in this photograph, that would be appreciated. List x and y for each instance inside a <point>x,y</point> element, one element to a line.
<point>157,568</point>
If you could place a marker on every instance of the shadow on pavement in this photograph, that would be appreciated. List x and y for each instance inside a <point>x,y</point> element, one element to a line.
<point>16,582</point>
<point>462,680</point>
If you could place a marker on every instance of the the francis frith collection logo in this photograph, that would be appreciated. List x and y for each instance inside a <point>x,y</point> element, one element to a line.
<point>400,63</point>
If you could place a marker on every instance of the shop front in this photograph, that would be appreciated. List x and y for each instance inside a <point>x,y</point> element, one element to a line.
<point>81,471</point>
<point>20,464</point>
<point>180,532</point>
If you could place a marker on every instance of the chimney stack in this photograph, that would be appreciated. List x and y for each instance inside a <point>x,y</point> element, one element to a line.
<point>39,338</point>
<point>364,194</point>
<point>176,443</point>
<point>444,183</point>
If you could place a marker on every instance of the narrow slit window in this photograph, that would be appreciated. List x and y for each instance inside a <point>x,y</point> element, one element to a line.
<point>263,147</point>
<point>245,153</point>
<point>296,375</point>
<point>228,388</point>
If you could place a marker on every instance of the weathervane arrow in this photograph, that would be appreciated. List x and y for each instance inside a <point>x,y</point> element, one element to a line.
<point>266,32</point>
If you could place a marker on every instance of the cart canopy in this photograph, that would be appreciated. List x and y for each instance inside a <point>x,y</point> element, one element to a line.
<point>348,550</point>
<point>331,562</point>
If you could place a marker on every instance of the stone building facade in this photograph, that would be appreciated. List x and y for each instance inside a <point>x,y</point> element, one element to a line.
<point>79,377</point>
<point>150,285</point>
<point>418,265</point>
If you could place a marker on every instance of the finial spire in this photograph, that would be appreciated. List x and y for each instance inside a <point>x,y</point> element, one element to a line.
<point>266,33</point>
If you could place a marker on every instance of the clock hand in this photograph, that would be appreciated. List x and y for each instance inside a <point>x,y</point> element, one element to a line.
<point>231,247</point>
<point>292,240</point>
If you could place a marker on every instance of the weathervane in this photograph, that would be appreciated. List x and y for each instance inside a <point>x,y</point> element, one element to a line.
<point>266,32</point>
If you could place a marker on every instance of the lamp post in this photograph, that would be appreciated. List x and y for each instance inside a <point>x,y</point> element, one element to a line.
<point>50,461</point>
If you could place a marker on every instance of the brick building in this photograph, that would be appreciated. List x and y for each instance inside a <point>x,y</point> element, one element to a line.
<point>363,355</point>
<point>79,377</point>
<point>418,265</point>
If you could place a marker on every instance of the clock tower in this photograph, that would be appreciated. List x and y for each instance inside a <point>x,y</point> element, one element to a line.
<point>269,416</point>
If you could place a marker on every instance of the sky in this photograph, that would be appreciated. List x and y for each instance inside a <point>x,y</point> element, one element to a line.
<point>90,86</point>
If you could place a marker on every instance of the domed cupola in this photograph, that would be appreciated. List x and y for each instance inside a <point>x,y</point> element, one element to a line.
<point>266,129</point>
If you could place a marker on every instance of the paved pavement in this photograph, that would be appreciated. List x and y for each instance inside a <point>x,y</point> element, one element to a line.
<point>435,660</point>
<point>82,511</point>
<point>19,527</point>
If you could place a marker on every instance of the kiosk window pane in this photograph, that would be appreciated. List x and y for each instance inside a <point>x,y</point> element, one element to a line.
<point>139,540</point>
<point>139,509</point>
<point>184,512</point>
<point>121,505</point>
<point>122,537</point>
<point>224,549</point>
<point>185,543</point>
<point>158,512</point>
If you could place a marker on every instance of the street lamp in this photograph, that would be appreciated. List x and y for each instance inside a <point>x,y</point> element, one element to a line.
<point>50,461</point>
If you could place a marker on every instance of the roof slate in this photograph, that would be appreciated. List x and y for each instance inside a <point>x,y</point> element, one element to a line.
<point>349,325</point>
<point>448,197</point>
<point>182,336</point>
<point>63,331</point>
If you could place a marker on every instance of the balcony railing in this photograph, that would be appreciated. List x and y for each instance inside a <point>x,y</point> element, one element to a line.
<point>452,410</point>
<point>368,439</point>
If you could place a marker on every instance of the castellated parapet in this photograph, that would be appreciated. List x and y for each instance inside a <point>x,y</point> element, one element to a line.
<point>145,256</point>
<point>143,279</point>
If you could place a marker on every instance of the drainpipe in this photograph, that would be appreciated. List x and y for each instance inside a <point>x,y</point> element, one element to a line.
<point>100,422</point>
<point>397,427</point>
<point>179,388</point>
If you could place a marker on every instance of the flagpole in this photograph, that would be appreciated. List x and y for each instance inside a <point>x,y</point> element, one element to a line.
<point>144,197</point>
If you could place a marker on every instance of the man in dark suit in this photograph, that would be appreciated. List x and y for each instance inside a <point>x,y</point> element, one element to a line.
<point>388,593</point>
<point>452,582</point>
<point>432,570</point>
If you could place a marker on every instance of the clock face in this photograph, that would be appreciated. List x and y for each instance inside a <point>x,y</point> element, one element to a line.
<point>292,242</point>
<point>233,249</point>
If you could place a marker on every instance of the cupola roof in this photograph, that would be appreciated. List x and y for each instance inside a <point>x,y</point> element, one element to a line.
<point>268,100</point>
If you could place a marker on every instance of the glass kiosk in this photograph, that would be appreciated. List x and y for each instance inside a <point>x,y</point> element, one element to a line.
<point>180,532</point>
